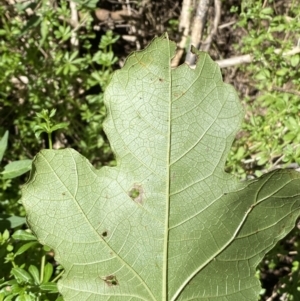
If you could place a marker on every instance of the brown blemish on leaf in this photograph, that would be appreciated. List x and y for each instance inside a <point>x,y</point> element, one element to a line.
<point>104,234</point>
<point>110,280</point>
<point>136,193</point>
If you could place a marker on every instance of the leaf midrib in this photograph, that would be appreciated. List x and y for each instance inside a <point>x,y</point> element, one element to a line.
<point>168,183</point>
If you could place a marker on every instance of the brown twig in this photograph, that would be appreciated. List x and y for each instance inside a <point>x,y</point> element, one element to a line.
<point>206,44</point>
<point>104,15</point>
<point>226,24</point>
<point>74,22</point>
<point>133,28</point>
<point>184,29</point>
<point>197,28</point>
<point>279,89</point>
<point>272,298</point>
<point>247,58</point>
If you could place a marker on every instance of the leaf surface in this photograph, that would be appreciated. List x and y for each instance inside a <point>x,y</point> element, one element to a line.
<point>167,223</point>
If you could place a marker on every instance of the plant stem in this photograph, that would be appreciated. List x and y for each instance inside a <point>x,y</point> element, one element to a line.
<point>42,268</point>
<point>49,140</point>
<point>58,276</point>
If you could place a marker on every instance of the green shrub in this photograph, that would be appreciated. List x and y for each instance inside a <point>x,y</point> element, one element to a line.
<point>45,72</point>
<point>270,135</point>
<point>43,68</point>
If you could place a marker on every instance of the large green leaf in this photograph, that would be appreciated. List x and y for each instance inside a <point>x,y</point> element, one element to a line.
<point>167,223</point>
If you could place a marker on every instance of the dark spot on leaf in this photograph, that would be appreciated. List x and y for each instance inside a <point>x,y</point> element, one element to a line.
<point>136,193</point>
<point>104,234</point>
<point>110,280</point>
<point>161,80</point>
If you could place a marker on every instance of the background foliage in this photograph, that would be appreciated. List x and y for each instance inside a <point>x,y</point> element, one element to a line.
<point>51,59</point>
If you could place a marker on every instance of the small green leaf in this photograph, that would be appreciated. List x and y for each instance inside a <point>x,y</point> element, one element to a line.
<point>52,113</point>
<point>295,60</point>
<point>25,297</point>
<point>37,133</point>
<point>46,248</point>
<point>44,31</point>
<point>73,56</point>
<point>48,271</point>
<point>9,283</point>
<point>49,286</point>
<point>43,126</point>
<point>263,75</point>
<point>11,222</point>
<point>21,275</point>
<point>5,235</point>
<point>25,247</point>
<point>23,235</point>
<point>9,247</point>
<point>282,71</point>
<point>62,125</point>
<point>16,169</point>
<point>9,298</point>
<point>267,11</point>
<point>3,145</point>
<point>33,270</point>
